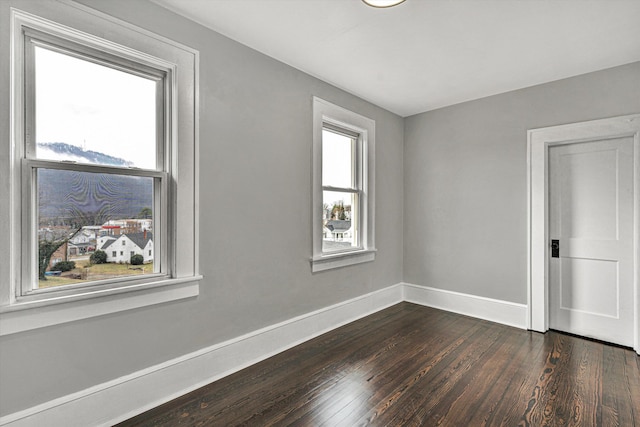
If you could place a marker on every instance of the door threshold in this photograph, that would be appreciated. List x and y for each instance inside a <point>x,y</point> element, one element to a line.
<point>612,344</point>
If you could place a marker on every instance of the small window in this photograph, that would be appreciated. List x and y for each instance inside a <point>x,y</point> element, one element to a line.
<point>343,182</point>
<point>341,187</point>
<point>114,254</point>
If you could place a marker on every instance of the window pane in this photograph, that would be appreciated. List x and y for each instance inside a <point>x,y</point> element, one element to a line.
<point>339,225</point>
<point>85,220</point>
<point>337,160</point>
<point>90,113</point>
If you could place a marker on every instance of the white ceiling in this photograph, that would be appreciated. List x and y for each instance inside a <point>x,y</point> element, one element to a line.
<point>426,54</point>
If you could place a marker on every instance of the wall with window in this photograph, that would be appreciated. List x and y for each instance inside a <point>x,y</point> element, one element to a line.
<point>465,172</point>
<point>254,159</point>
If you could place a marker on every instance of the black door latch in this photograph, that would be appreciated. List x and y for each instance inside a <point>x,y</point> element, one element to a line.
<point>555,248</point>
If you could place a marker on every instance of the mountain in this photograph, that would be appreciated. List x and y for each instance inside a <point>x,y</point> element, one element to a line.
<point>86,198</point>
<point>64,151</point>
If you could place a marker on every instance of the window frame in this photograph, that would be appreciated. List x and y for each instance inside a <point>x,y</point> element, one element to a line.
<point>340,120</point>
<point>82,29</point>
<point>356,188</point>
<point>30,164</point>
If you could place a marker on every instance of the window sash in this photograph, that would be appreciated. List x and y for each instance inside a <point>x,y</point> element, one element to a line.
<point>34,38</point>
<point>29,283</point>
<point>356,210</point>
<point>341,189</point>
<point>356,161</point>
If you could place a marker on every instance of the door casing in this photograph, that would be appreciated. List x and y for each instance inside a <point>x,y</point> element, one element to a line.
<point>538,143</point>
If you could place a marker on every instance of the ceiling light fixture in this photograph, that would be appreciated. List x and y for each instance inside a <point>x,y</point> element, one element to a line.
<point>383,3</point>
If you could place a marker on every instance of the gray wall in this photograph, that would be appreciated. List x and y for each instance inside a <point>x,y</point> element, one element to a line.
<point>465,177</point>
<point>255,214</point>
<point>464,214</point>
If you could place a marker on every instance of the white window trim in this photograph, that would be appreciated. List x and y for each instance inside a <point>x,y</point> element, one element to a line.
<point>326,112</point>
<point>82,25</point>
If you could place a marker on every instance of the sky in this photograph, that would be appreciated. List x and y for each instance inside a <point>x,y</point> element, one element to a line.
<point>336,166</point>
<point>95,107</point>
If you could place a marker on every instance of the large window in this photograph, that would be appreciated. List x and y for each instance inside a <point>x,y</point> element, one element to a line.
<point>343,187</point>
<point>94,158</point>
<point>102,180</point>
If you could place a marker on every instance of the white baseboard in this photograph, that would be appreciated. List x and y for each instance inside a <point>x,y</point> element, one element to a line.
<point>122,398</point>
<point>507,313</point>
<point>125,397</point>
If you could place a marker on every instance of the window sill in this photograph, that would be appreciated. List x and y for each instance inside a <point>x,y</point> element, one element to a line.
<point>25,316</point>
<point>343,259</point>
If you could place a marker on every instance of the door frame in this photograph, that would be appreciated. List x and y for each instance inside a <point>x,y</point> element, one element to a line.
<point>538,143</point>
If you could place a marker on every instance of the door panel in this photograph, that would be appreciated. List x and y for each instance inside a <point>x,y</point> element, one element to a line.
<point>591,214</point>
<point>589,196</point>
<point>589,286</point>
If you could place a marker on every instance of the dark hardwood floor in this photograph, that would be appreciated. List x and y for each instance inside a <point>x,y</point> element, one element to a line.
<point>410,365</point>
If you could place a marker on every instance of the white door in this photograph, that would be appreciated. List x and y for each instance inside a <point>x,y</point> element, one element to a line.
<point>591,217</point>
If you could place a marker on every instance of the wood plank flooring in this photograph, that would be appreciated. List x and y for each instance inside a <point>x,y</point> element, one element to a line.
<point>410,365</point>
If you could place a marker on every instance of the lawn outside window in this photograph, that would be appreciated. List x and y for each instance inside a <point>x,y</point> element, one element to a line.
<point>343,187</point>
<point>103,163</point>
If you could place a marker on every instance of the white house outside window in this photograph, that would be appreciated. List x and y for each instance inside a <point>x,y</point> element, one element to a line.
<point>343,187</point>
